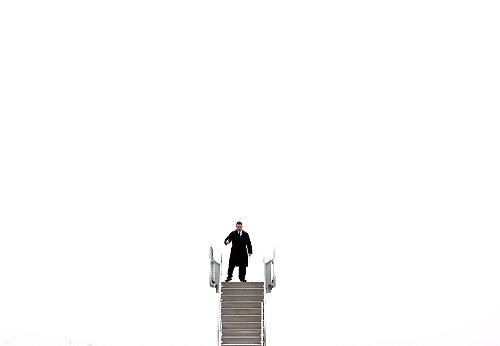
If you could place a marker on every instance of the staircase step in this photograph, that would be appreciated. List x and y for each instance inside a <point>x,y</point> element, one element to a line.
<point>245,305</point>
<point>241,340</point>
<point>242,285</point>
<point>241,332</point>
<point>241,325</point>
<point>243,298</point>
<point>236,291</point>
<point>241,318</point>
<point>241,311</point>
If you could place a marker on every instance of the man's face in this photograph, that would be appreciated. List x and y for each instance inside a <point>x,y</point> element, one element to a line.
<point>238,227</point>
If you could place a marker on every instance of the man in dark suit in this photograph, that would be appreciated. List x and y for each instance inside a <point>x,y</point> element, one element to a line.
<point>239,257</point>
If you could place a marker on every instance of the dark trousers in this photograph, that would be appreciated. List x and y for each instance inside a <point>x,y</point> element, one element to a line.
<point>241,274</point>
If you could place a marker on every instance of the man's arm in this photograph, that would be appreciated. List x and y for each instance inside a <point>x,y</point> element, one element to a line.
<point>249,245</point>
<point>228,239</point>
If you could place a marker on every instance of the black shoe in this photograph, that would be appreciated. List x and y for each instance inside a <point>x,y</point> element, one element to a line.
<point>227,280</point>
<point>243,280</point>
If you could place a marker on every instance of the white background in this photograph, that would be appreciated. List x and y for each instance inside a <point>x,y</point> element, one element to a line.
<point>359,138</point>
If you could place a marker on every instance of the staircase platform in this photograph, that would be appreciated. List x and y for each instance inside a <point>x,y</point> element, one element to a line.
<point>235,284</point>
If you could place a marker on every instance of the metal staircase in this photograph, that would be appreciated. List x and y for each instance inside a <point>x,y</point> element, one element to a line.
<point>242,311</point>
<point>241,315</point>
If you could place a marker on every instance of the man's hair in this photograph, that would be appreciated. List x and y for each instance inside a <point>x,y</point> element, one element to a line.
<point>239,223</point>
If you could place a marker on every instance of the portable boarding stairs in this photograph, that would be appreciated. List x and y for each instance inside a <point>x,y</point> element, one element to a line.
<point>241,315</point>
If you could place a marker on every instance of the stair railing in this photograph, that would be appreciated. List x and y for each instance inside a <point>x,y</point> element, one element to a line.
<point>269,284</point>
<point>263,325</point>
<point>269,273</point>
<point>215,279</point>
<point>214,271</point>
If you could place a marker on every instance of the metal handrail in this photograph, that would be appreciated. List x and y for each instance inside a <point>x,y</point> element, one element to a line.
<point>214,271</point>
<point>269,273</point>
<point>219,320</point>
<point>215,279</point>
<point>269,284</point>
<point>219,300</point>
<point>263,325</point>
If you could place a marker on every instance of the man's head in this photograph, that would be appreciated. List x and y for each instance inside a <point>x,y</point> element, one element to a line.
<point>239,225</point>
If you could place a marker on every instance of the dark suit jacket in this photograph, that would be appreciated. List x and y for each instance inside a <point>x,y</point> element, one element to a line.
<point>239,256</point>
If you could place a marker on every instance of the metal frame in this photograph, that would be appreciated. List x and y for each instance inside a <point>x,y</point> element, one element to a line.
<point>215,281</point>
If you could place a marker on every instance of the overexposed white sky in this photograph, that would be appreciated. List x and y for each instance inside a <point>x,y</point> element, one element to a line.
<point>360,139</point>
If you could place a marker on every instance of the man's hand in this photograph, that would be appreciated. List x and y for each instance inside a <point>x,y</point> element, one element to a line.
<point>249,254</point>
<point>227,241</point>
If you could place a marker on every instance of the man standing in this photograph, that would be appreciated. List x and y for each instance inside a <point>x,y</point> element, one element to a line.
<point>239,257</point>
